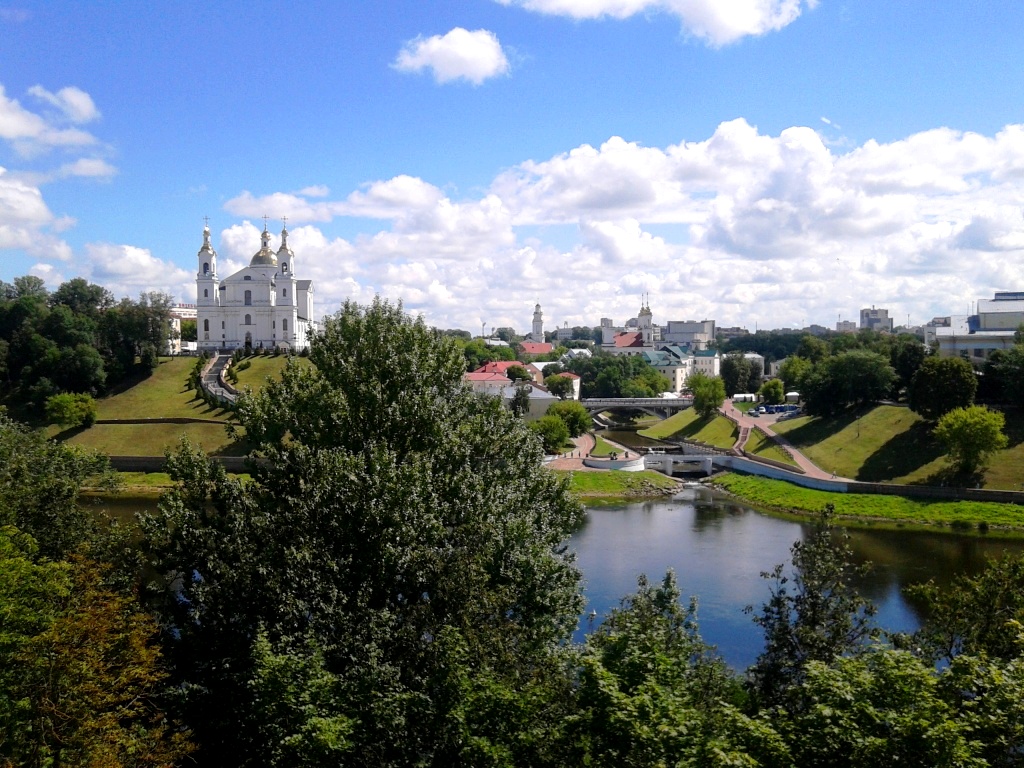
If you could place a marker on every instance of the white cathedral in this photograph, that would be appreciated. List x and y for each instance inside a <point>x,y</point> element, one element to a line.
<point>261,306</point>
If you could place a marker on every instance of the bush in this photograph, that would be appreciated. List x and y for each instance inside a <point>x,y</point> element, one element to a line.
<point>553,433</point>
<point>71,410</point>
<point>577,419</point>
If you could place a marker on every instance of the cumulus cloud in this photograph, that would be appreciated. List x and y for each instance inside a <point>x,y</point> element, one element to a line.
<point>76,105</point>
<point>127,270</point>
<point>88,167</point>
<point>714,21</point>
<point>741,226</point>
<point>457,55</point>
<point>31,133</point>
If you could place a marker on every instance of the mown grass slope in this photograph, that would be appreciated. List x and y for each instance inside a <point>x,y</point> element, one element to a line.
<point>717,431</point>
<point>892,444</point>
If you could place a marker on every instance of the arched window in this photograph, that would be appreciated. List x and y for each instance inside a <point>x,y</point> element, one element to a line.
<point>284,266</point>
<point>284,293</point>
<point>206,267</point>
<point>206,325</point>
<point>284,325</point>
<point>248,298</point>
<point>248,320</point>
<point>206,293</point>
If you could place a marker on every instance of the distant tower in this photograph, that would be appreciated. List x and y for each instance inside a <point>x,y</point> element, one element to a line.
<point>538,325</point>
<point>207,281</point>
<point>644,322</point>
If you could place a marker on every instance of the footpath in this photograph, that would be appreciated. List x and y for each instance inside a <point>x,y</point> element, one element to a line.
<point>764,423</point>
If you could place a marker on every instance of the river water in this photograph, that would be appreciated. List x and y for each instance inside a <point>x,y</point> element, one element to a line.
<point>718,549</point>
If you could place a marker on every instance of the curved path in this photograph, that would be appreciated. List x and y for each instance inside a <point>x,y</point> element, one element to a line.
<point>764,423</point>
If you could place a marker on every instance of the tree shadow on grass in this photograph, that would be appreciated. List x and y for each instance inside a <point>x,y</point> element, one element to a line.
<point>68,433</point>
<point>903,454</point>
<point>820,429</point>
<point>948,477</point>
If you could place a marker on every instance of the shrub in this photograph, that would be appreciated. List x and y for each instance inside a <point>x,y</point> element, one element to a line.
<point>71,410</point>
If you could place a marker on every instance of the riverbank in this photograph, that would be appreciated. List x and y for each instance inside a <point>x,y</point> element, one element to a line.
<point>611,487</point>
<point>959,516</point>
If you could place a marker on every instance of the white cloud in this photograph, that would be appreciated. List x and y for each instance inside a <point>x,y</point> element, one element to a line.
<point>31,133</point>
<point>457,55</point>
<point>76,104</point>
<point>743,227</point>
<point>127,270</point>
<point>718,22</point>
<point>88,167</point>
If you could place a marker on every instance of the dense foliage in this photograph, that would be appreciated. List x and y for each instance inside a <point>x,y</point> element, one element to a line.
<point>391,578</point>
<point>708,393</point>
<point>77,339</point>
<point>969,435</point>
<point>604,375</point>
<point>941,384</point>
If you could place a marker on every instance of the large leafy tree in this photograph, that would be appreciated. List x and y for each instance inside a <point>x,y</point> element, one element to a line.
<point>577,418</point>
<point>651,692</point>
<point>814,614</point>
<point>858,377</point>
<point>79,669</point>
<point>969,435</point>
<point>735,372</point>
<point>708,393</point>
<point>941,384</point>
<point>398,544</point>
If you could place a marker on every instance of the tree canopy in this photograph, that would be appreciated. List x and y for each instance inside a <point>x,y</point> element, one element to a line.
<point>970,435</point>
<point>397,531</point>
<point>941,384</point>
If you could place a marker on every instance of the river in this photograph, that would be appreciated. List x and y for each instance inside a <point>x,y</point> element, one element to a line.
<point>718,549</point>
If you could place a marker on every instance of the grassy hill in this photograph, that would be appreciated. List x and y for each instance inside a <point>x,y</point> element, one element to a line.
<point>890,444</point>
<point>718,431</point>
<point>162,395</point>
<point>262,367</point>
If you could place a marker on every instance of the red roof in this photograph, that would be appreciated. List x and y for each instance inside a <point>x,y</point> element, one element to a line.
<point>485,376</point>
<point>497,366</point>
<point>628,339</point>
<point>535,347</point>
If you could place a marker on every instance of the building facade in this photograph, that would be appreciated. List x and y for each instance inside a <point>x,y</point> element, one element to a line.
<point>263,306</point>
<point>876,319</point>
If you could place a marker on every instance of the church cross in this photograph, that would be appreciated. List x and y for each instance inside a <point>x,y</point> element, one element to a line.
<point>284,220</point>
<point>206,220</point>
<point>265,218</point>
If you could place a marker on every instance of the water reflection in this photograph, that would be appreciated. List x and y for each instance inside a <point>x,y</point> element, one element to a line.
<point>719,548</point>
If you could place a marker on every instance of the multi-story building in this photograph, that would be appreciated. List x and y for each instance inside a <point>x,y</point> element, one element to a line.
<point>846,326</point>
<point>876,319</point>
<point>975,337</point>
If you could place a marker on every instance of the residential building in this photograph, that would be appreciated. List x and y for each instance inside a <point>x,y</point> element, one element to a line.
<point>846,326</point>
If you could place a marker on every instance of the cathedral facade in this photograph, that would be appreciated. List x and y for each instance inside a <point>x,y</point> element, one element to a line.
<point>263,305</point>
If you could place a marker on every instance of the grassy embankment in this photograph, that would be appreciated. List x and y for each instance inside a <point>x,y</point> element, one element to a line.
<point>162,395</point>
<point>717,431</point>
<point>760,444</point>
<point>612,486</point>
<point>889,444</point>
<point>263,366</point>
<point>778,495</point>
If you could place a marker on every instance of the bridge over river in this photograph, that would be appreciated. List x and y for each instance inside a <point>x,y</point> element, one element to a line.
<point>656,406</point>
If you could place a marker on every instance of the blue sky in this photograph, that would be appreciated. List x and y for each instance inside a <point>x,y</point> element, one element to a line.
<point>760,162</point>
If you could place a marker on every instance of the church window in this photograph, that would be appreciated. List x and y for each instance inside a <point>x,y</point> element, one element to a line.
<point>273,323</point>
<point>247,277</point>
<point>248,298</point>
<point>206,293</point>
<point>206,267</point>
<point>222,325</point>
<point>284,293</point>
<point>284,325</point>
<point>284,267</point>
<point>248,320</point>
<point>206,325</point>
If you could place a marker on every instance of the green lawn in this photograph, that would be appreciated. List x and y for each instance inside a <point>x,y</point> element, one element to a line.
<point>778,494</point>
<point>603,448</point>
<point>161,395</point>
<point>717,431</point>
<point>262,367</point>
<point>760,444</point>
<point>152,439</point>
<point>889,444</point>
<point>618,484</point>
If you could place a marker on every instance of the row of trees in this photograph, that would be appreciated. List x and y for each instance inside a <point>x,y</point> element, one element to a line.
<point>77,339</point>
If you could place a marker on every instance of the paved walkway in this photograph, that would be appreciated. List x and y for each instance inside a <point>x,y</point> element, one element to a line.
<point>584,445</point>
<point>764,423</point>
